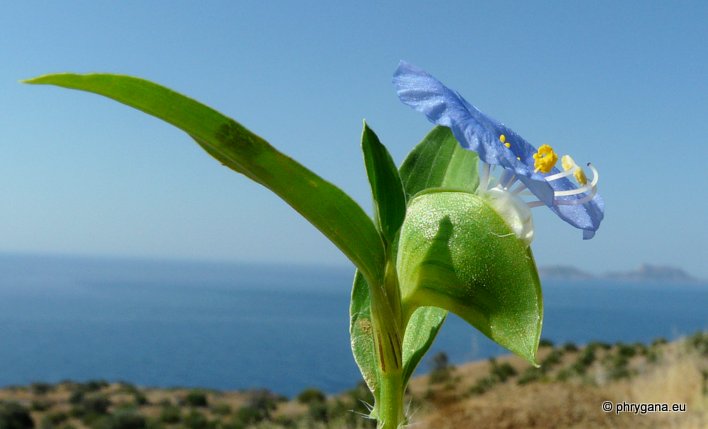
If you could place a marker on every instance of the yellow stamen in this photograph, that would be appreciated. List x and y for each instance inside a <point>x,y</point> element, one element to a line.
<point>502,138</point>
<point>568,163</point>
<point>544,159</point>
<point>507,144</point>
<point>580,176</point>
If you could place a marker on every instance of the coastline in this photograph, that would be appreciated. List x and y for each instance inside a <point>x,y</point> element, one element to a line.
<point>566,391</point>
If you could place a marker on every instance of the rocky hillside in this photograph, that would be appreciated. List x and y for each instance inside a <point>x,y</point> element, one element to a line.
<point>568,390</point>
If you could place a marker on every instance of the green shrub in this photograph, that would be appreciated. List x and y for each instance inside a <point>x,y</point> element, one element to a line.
<point>699,342</point>
<point>40,405</point>
<point>653,355</point>
<point>56,417</point>
<point>52,420</point>
<point>196,398</point>
<point>544,342</point>
<point>76,396</point>
<point>263,402</point>
<point>441,368</point>
<point>599,345</point>
<point>41,388</point>
<point>498,373</point>
<point>619,372</point>
<point>339,407</point>
<point>247,415</point>
<point>503,371</point>
<point>564,374</point>
<point>570,347</point>
<point>483,385</point>
<point>659,342</point>
<point>15,416</point>
<point>553,359</point>
<point>221,409</point>
<point>530,375</point>
<point>258,408</point>
<point>310,395</point>
<point>584,360</point>
<point>95,404</point>
<point>317,410</point>
<point>641,349</point>
<point>170,414</point>
<point>154,423</point>
<point>626,350</point>
<point>93,385</point>
<point>618,365</point>
<point>139,398</point>
<point>196,420</point>
<point>45,423</point>
<point>91,408</point>
<point>123,420</point>
<point>286,422</point>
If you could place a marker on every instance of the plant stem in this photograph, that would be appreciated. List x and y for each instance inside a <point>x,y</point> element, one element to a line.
<point>388,343</point>
<point>391,401</point>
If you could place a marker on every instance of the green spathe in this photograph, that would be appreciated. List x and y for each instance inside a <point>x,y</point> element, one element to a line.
<point>457,253</point>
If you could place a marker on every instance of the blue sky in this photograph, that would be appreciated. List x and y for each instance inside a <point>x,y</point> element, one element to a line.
<point>618,84</point>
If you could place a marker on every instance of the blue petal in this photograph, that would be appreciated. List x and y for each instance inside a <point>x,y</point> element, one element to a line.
<point>473,129</point>
<point>445,107</point>
<point>585,216</point>
<point>480,133</point>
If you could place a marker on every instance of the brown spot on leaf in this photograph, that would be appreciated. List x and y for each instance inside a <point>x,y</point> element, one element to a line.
<point>236,137</point>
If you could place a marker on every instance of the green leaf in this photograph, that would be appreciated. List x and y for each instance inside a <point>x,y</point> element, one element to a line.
<point>439,162</point>
<point>386,188</point>
<point>421,330</point>
<point>361,332</point>
<point>329,209</point>
<point>456,252</point>
<point>436,162</point>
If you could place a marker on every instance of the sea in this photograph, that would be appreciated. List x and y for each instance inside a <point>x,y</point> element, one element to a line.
<point>231,326</point>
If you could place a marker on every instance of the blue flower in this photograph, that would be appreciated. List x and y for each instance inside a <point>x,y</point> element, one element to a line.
<point>575,201</point>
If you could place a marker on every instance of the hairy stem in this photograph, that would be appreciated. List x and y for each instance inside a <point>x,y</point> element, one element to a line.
<point>391,414</point>
<point>388,341</point>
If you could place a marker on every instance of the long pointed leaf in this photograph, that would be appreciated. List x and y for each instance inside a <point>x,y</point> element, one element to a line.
<point>386,188</point>
<point>328,208</point>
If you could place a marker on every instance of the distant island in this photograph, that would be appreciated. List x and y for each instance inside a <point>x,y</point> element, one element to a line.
<point>645,273</point>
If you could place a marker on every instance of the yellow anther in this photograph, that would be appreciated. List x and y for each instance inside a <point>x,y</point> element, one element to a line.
<point>568,164</point>
<point>502,138</point>
<point>518,158</point>
<point>544,159</point>
<point>580,176</point>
